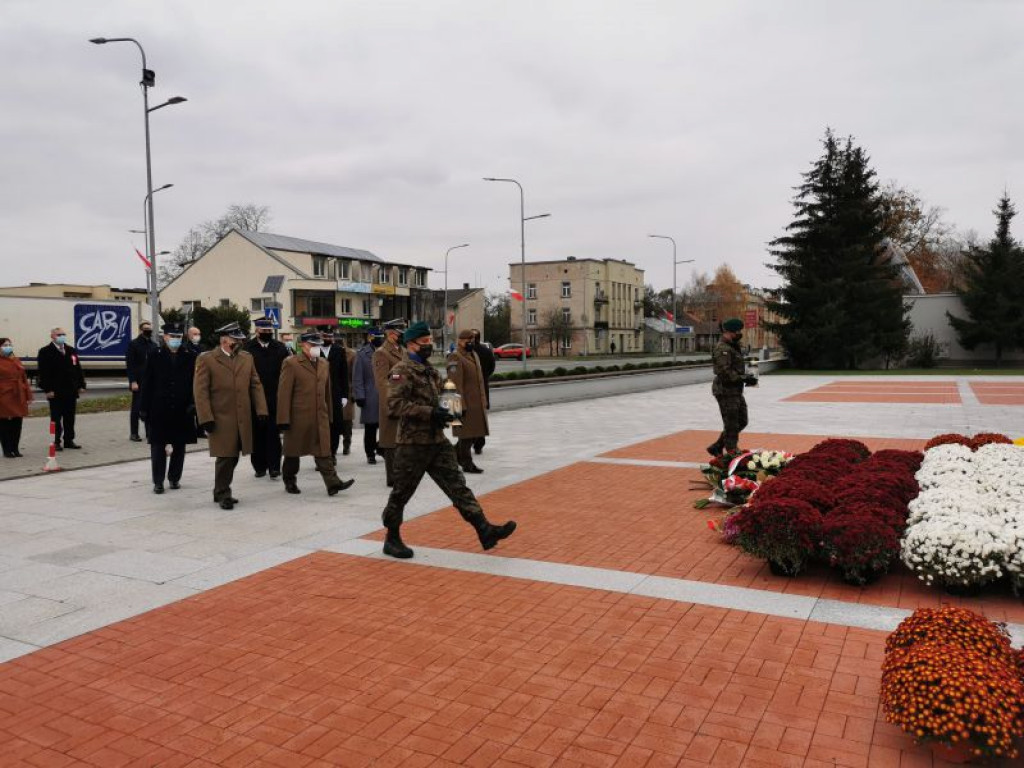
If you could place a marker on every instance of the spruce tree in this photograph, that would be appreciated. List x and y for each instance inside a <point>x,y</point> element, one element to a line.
<point>993,292</point>
<point>839,306</point>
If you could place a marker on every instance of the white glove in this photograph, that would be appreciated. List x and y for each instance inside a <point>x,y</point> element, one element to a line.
<point>344,402</point>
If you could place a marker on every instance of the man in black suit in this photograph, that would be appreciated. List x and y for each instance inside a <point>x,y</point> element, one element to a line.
<point>338,366</point>
<point>268,354</point>
<point>61,378</point>
<point>135,362</point>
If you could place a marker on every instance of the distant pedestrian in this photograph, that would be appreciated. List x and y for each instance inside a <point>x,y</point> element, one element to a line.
<point>487,366</point>
<point>385,358</point>
<point>227,390</point>
<point>62,379</point>
<point>195,341</point>
<point>364,390</point>
<point>304,405</point>
<point>337,363</point>
<point>135,363</point>
<point>167,405</point>
<point>730,378</point>
<point>465,372</point>
<point>15,398</point>
<point>268,354</point>
<point>289,342</point>
<point>414,390</point>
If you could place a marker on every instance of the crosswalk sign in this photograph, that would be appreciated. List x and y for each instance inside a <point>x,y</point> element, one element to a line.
<point>273,314</point>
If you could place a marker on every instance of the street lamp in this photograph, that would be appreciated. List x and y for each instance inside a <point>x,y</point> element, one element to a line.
<point>152,287</point>
<point>522,244</point>
<point>675,309</point>
<point>147,82</point>
<point>444,315</point>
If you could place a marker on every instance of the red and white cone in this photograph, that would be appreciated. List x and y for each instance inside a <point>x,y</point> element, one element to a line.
<point>51,464</point>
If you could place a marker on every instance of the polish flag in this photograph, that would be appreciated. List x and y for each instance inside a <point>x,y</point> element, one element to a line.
<point>668,315</point>
<point>147,262</point>
<point>516,295</point>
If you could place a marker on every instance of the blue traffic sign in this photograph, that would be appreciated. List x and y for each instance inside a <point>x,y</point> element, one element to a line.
<point>274,315</point>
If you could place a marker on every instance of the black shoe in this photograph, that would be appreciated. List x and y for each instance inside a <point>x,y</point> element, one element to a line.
<point>395,547</point>
<point>344,484</point>
<point>492,534</point>
<point>71,444</point>
<point>227,503</point>
<point>17,454</point>
<point>175,485</point>
<point>472,469</point>
<point>371,459</point>
<point>261,473</point>
<point>346,451</point>
<point>10,454</point>
<point>59,447</point>
<point>274,474</point>
<point>714,449</point>
<point>135,438</point>
<point>477,450</point>
<point>291,487</point>
<point>158,488</point>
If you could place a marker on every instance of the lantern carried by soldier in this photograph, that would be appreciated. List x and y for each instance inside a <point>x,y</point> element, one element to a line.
<point>451,401</point>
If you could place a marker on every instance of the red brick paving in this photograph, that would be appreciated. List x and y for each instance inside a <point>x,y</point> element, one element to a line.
<point>847,391</point>
<point>998,392</point>
<point>332,660</point>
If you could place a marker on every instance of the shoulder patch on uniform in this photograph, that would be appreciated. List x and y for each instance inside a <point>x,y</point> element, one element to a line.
<point>395,377</point>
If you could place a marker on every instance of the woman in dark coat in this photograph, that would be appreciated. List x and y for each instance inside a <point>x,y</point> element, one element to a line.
<point>168,406</point>
<point>364,392</point>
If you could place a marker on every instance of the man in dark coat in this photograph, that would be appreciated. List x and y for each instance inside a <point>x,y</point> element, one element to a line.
<point>730,378</point>
<point>364,390</point>
<point>167,405</point>
<point>268,354</point>
<point>62,379</point>
<point>195,346</point>
<point>413,398</point>
<point>337,363</point>
<point>464,371</point>
<point>487,366</point>
<point>135,363</point>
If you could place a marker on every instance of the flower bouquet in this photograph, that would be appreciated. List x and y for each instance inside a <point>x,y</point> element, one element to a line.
<point>732,478</point>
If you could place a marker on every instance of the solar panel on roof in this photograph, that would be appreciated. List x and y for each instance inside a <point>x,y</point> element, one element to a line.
<point>273,284</point>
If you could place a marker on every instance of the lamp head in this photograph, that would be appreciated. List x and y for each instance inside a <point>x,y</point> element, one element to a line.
<point>97,40</point>
<point>176,100</point>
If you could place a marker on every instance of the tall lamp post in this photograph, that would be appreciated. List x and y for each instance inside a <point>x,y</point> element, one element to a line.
<point>444,314</point>
<point>147,82</point>
<point>152,287</point>
<point>675,308</point>
<point>523,218</point>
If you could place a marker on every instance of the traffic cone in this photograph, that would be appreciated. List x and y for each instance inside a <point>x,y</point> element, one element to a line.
<point>51,464</point>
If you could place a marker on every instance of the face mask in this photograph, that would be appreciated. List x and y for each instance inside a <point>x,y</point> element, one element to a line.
<point>425,351</point>
<point>194,339</point>
<point>174,343</point>
<point>6,350</point>
<point>469,347</point>
<point>314,353</point>
<point>290,345</point>
<point>739,336</point>
<point>62,339</point>
<point>376,342</point>
<point>265,337</point>
<point>148,332</point>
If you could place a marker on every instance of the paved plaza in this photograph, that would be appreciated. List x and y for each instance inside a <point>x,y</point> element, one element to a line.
<point>614,628</point>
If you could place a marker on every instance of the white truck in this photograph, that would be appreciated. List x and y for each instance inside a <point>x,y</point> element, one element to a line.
<point>100,329</point>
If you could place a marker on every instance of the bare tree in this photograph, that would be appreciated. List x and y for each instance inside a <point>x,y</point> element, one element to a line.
<point>247,216</point>
<point>556,330</point>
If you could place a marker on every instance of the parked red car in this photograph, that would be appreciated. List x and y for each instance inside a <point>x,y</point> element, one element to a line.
<point>511,351</point>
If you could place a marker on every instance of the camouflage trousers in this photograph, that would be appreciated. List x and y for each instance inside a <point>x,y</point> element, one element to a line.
<point>410,463</point>
<point>733,408</point>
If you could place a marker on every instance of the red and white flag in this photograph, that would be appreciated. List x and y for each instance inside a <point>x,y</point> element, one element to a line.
<point>668,315</point>
<point>516,295</point>
<point>147,262</point>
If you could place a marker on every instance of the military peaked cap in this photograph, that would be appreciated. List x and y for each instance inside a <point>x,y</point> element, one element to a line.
<point>232,330</point>
<point>311,338</point>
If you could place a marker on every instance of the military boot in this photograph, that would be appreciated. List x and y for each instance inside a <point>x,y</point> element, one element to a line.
<point>489,534</point>
<point>395,547</point>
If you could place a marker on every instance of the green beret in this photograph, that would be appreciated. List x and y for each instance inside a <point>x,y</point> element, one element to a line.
<point>416,331</point>
<point>733,325</point>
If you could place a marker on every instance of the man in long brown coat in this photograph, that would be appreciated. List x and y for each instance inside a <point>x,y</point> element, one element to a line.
<point>385,358</point>
<point>227,391</point>
<point>304,409</point>
<point>466,373</point>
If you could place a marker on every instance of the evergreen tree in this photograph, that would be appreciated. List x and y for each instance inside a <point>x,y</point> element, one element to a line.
<point>993,290</point>
<point>839,305</point>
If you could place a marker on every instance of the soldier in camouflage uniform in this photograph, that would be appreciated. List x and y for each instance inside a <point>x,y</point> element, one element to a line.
<point>413,395</point>
<point>730,377</point>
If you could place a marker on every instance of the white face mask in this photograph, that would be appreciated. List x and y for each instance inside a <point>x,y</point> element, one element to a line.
<point>194,339</point>
<point>314,353</point>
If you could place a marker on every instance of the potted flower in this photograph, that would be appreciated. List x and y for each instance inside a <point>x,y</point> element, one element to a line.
<point>783,531</point>
<point>860,544</point>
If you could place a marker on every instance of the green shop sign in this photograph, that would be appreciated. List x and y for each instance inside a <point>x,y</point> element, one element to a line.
<point>353,322</point>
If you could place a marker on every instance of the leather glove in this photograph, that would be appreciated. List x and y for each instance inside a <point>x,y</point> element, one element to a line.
<point>441,417</point>
<point>283,427</point>
<point>208,426</point>
<point>750,381</point>
<point>361,402</point>
<point>261,419</point>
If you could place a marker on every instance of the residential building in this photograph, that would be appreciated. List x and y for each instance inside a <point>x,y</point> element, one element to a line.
<point>465,311</point>
<point>76,291</point>
<point>579,306</point>
<point>322,284</point>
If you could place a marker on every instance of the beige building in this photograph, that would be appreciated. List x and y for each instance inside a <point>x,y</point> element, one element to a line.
<point>580,306</point>
<point>75,291</point>
<point>322,284</point>
<point>465,311</point>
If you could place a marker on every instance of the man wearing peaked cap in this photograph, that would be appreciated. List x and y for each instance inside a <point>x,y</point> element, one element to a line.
<point>227,391</point>
<point>385,358</point>
<point>304,409</point>
<point>730,377</point>
<point>268,354</point>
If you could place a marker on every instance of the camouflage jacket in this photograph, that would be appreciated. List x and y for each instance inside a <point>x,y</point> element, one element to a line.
<point>414,390</point>
<point>729,369</point>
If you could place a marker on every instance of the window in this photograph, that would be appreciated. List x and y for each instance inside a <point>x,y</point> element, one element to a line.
<point>256,305</point>
<point>420,277</point>
<point>345,269</point>
<point>225,302</point>
<point>188,307</point>
<point>531,317</point>
<point>385,275</point>
<point>346,306</point>
<point>532,338</point>
<point>567,342</point>
<point>319,266</point>
<point>320,305</point>
<point>403,275</point>
<point>566,290</point>
<point>531,291</point>
<point>366,307</point>
<point>566,315</point>
<point>355,272</point>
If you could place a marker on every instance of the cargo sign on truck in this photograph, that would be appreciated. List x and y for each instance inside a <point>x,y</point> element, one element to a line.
<point>102,331</point>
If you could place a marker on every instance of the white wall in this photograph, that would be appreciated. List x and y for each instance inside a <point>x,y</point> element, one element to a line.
<point>928,313</point>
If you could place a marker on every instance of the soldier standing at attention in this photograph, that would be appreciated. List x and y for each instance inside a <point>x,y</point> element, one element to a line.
<point>384,359</point>
<point>227,390</point>
<point>466,373</point>
<point>728,387</point>
<point>413,393</point>
<point>304,405</point>
<point>268,354</point>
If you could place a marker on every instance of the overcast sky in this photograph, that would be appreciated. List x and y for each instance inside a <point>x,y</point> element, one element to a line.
<point>370,124</point>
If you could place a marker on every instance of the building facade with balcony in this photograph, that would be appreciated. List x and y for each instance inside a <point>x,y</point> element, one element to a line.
<point>579,306</point>
<point>323,284</point>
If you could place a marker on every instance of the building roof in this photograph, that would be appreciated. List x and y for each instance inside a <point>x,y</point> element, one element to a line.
<point>298,245</point>
<point>575,260</point>
<point>455,295</point>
